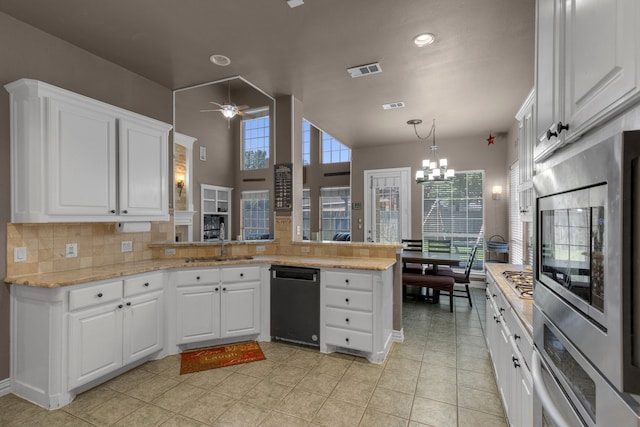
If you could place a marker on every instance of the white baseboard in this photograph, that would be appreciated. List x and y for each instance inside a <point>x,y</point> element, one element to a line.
<point>5,387</point>
<point>398,336</point>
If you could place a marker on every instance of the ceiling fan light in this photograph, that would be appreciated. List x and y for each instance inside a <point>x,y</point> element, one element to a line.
<point>229,111</point>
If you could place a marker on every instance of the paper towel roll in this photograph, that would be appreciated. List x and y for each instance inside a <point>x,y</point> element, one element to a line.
<point>133,227</point>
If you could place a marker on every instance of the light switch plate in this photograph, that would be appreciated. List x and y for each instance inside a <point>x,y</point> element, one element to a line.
<point>20,254</point>
<point>126,246</point>
<point>260,248</point>
<point>71,250</point>
<point>203,153</point>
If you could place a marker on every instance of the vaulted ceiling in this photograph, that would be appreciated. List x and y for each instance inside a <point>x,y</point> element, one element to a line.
<point>472,80</point>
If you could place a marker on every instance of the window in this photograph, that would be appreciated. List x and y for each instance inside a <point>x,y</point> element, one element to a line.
<point>255,214</point>
<point>454,211</point>
<point>333,151</point>
<point>306,142</point>
<point>306,214</point>
<point>255,140</point>
<point>335,214</point>
<point>515,226</point>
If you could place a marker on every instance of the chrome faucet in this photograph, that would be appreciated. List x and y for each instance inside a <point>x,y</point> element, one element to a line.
<point>222,251</point>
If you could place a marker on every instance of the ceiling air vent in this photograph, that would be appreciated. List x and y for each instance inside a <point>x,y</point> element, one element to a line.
<point>364,70</point>
<point>393,105</point>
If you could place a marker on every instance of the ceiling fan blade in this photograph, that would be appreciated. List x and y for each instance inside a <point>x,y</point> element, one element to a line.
<point>208,111</point>
<point>242,107</point>
<point>215,103</point>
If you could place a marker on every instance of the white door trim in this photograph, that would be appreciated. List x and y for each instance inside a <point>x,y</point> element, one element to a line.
<point>405,199</point>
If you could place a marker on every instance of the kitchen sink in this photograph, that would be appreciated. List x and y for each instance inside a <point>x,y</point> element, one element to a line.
<point>219,258</point>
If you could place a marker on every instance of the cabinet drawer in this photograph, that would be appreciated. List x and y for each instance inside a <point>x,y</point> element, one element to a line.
<point>197,277</point>
<point>349,339</point>
<point>520,335</point>
<point>241,274</point>
<point>95,295</point>
<point>347,319</point>
<point>358,300</point>
<point>347,280</point>
<point>139,285</point>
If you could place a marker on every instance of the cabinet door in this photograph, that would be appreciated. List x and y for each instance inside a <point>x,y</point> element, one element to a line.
<point>198,313</point>
<point>143,331</point>
<point>601,68</point>
<point>240,309</point>
<point>95,343</point>
<point>82,143</point>
<point>143,170</point>
<point>549,80</point>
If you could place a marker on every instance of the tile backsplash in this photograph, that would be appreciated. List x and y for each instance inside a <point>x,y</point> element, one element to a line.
<point>98,244</point>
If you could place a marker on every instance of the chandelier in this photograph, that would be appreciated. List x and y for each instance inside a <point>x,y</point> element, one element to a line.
<point>434,168</point>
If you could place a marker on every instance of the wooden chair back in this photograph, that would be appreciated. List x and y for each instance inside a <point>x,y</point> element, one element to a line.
<point>443,246</point>
<point>412,244</point>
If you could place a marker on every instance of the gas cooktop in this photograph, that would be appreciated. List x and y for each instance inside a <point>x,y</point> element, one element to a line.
<point>521,282</point>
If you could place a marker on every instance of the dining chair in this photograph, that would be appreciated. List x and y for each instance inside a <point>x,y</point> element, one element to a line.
<point>461,278</point>
<point>412,245</point>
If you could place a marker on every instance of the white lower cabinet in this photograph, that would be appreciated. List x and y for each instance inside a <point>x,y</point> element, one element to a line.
<point>66,339</point>
<point>218,303</point>
<point>356,312</point>
<point>106,334</point>
<point>508,343</point>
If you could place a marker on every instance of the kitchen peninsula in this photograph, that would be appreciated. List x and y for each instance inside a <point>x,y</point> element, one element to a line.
<point>75,329</point>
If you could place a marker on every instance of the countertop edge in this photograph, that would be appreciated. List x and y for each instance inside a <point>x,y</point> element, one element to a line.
<point>521,307</point>
<point>86,275</point>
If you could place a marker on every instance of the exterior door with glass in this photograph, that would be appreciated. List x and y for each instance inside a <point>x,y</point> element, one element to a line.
<point>387,204</point>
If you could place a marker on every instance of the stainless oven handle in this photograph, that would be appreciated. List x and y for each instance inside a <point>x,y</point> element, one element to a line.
<point>543,394</point>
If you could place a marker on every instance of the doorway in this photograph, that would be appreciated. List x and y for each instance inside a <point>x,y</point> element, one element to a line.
<point>387,202</point>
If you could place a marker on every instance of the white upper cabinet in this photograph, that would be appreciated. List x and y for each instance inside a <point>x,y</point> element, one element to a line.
<point>143,170</point>
<point>75,159</point>
<point>587,69</point>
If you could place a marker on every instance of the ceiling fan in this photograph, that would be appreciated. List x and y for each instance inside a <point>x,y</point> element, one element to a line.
<point>229,110</point>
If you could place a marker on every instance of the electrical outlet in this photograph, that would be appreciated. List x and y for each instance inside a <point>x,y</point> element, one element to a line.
<point>126,246</point>
<point>71,250</point>
<point>170,251</point>
<point>20,254</point>
<point>304,249</point>
<point>260,248</point>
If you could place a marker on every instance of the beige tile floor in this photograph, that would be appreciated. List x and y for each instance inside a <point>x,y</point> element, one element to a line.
<point>439,376</point>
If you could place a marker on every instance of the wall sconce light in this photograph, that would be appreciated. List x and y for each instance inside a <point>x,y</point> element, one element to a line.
<point>180,184</point>
<point>496,191</point>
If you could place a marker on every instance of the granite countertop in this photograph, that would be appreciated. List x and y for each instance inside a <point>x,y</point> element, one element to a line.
<point>84,275</point>
<point>523,308</point>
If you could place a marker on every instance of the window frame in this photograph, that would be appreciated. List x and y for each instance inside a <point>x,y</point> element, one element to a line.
<point>256,114</point>
<point>265,217</point>
<point>327,233</point>
<point>474,235</point>
<point>341,148</point>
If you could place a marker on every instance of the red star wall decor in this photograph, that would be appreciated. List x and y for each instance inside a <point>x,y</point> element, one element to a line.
<point>490,139</point>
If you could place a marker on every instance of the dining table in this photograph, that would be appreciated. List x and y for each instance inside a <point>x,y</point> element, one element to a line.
<point>450,259</point>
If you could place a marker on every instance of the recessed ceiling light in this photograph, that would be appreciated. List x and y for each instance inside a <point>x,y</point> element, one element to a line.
<point>221,60</point>
<point>424,39</point>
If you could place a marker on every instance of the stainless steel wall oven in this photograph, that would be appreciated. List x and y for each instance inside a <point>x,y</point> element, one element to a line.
<point>587,277</point>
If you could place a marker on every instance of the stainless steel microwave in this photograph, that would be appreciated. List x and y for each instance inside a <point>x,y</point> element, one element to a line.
<point>587,255</point>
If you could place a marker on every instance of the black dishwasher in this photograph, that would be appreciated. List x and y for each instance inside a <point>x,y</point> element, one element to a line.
<point>295,304</point>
